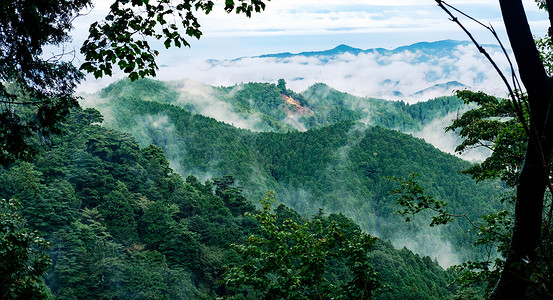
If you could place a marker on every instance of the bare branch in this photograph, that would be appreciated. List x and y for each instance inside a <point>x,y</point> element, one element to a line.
<point>442,5</point>
<point>515,95</point>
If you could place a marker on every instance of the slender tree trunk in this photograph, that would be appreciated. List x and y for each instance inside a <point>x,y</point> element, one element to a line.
<point>514,280</point>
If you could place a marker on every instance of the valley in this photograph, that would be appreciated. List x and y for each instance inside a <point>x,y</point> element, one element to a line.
<point>339,159</point>
<point>153,188</point>
<point>252,149</point>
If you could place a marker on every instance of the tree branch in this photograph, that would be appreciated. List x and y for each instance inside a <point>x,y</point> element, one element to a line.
<point>531,69</point>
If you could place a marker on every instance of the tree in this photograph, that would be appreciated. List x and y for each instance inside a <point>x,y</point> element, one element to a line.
<point>534,174</point>
<point>118,210</point>
<point>232,196</point>
<point>290,260</point>
<point>281,85</point>
<point>495,126</point>
<point>36,92</point>
<point>22,257</point>
<point>87,263</point>
<point>122,37</point>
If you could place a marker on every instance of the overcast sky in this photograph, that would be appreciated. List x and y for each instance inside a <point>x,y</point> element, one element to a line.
<point>311,25</point>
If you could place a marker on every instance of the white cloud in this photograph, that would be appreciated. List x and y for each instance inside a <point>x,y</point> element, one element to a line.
<point>429,242</point>
<point>296,19</point>
<point>318,17</point>
<point>370,74</point>
<point>202,97</point>
<point>307,25</point>
<point>434,133</point>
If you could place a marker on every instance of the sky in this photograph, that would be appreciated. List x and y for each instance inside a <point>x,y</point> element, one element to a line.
<point>313,25</point>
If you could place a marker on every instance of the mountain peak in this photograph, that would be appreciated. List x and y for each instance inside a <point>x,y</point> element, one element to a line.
<point>344,48</point>
<point>340,49</point>
<point>426,47</point>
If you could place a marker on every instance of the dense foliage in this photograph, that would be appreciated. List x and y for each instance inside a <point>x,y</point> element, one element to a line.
<point>121,222</point>
<point>293,261</point>
<point>343,167</point>
<point>123,38</point>
<point>35,91</point>
<point>270,107</point>
<point>123,225</point>
<point>119,218</point>
<point>494,124</point>
<point>332,106</point>
<point>22,257</point>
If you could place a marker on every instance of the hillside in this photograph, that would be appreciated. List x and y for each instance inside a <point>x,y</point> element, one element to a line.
<point>124,225</point>
<point>343,167</point>
<point>270,107</point>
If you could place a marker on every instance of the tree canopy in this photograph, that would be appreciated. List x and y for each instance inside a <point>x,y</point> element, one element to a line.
<point>119,221</point>
<point>123,37</point>
<point>534,174</point>
<point>36,92</point>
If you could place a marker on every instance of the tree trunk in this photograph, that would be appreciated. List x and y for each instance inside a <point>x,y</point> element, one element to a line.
<point>514,280</point>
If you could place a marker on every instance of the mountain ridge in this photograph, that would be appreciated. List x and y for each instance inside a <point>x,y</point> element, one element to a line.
<point>340,166</point>
<point>435,47</point>
<point>397,74</point>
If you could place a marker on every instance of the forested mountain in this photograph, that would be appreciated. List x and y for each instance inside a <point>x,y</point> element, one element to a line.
<point>338,165</point>
<point>101,211</point>
<point>124,225</point>
<point>270,107</point>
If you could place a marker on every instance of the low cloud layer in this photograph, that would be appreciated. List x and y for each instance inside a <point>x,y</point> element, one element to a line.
<point>434,133</point>
<point>204,100</point>
<point>400,76</point>
<point>429,242</point>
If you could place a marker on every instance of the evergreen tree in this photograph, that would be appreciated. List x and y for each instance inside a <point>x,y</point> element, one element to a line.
<point>22,258</point>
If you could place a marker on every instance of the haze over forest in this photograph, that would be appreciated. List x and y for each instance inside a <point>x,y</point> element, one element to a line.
<point>261,107</point>
<point>269,123</point>
<point>271,161</point>
<point>409,73</point>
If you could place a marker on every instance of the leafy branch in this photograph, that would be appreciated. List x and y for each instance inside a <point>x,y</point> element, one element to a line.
<point>123,38</point>
<point>290,260</point>
<point>413,200</point>
<point>517,98</point>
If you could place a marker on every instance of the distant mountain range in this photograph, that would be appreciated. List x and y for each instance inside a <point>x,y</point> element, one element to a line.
<point>438,48</point>
<point>411,73</point>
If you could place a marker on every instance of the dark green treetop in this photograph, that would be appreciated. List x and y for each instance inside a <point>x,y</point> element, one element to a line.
<point>22,257</point>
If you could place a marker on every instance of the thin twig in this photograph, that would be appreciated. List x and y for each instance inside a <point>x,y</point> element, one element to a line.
<point>470,221</point>
<point>515,97</point>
